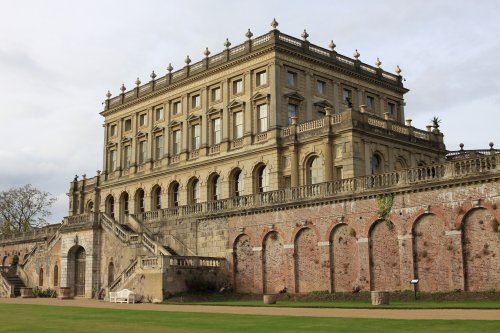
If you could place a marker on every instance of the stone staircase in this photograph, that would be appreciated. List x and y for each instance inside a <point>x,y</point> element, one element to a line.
<point>10,277</point>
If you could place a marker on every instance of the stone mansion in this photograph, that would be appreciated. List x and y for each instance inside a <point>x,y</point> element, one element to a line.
<point>273,165</point>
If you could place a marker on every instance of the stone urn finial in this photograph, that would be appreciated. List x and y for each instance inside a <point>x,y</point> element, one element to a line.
<point>170,68</point>
<point>187,60</point>
<point>398,70</point>
<point>137,82</point>
<point>305,35</point>
<point>153,75</point>
<point>206,53</point>
<point>356,54</point>
<point>332,45</point>
<point>249,34</point>
<point>378,62</point>
<point>274,24</point>
<point>227,44</point>
<point>491,145</point>
<point>108,94</point>
<point>122,88</point>
<point>461,146</point>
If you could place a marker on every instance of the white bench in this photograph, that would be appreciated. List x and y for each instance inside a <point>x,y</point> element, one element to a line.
<point>122,296</point>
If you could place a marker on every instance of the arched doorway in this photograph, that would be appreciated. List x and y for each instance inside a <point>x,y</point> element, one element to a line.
<point>76,270</point>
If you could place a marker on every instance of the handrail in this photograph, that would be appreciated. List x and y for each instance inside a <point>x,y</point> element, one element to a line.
<point>124,275</point>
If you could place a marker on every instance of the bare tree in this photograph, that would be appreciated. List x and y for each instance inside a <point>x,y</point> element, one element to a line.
<point>24,208</point>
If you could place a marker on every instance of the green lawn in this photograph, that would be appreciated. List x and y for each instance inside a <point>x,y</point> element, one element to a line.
<point>54,319</point>
<point>470,304</point>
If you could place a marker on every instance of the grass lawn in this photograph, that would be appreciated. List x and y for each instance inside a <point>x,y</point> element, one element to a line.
<point>470,304</point>
<point>54,319</point>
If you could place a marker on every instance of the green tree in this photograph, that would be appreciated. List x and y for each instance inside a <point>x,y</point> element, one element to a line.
<point>24,208</point>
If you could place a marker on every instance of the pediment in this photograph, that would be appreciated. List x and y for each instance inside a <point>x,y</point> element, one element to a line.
<point>294,95</point>
<point>259,95</point>
<point>236,104</point>
<point>193,117</point>
<point>214,111</point>
<point>158,129</point>
<point>141,134</point>
<point>174,123</point>
<point>126,139</point>
<point>323,104</point>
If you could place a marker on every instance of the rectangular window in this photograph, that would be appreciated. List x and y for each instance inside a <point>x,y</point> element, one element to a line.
<point>291,79</point>
<point>176,140</point>
<point>217,133</point>
<point>292,112</point>
<point>195,101</point>
<point>112,160</point>
<point>159,114</point>
<point>127,153</point>
<point>128,125</point>
<point>320,87</point>
<point>262,118</point>
<point>237,86</point>
<point>261,78</point>
<point>143,119</point>
<point>195,129</point>
<point>370,102</point>
<point>238,124</point>
<point>112,130</point>
<point>216,95</point>
<point>338,172</point>
<point>287,181</point>
<point>159,147</point>
<point>346,94</point>
<point>176,108</point>
<point>142,152</point>
<point>391,108</point>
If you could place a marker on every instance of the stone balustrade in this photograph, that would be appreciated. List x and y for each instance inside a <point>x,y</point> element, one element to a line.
<point>447,171</point>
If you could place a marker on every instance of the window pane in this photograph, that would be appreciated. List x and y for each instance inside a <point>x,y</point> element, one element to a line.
<point>196,136</point>
<point>217,134</point>
<point>291,78</point>
<point>263,180</point>
<point>238,125</point>
<point>292,112</point>
<point>321,87</point>
<point>159,114</point>
<point>237,86</point>
<point>159,147</point>
<point>262,115</point>
<point>315,171</point>
<point>177,142</point>
<point>216,94</point>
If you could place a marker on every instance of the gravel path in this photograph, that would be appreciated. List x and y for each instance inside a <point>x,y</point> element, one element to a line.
<point>454,314</point>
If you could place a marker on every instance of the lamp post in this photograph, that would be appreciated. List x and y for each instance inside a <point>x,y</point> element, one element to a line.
<point>414,282</point>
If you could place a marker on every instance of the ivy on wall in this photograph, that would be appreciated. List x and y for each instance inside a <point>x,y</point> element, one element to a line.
<point>384,207</point>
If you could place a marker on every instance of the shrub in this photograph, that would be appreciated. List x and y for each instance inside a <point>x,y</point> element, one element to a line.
<point>44,293</point>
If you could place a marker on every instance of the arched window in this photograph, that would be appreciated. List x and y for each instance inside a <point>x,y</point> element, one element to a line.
<point>174,195</point>
<point>56,275</point>
<point>194,191</point>
<point>262,179</point>
<point>90,207</point>
<point>214,187</point>
<point>139,201</point>
<point>40,277</point>
<point>110,206</point>
<point>156,196</point>
<point>314,171</point>
<point>376,164</point>
<point>238,185</point>
<point>124,203</point>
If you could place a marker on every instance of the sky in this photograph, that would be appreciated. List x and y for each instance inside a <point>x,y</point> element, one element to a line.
<point>59,58</point>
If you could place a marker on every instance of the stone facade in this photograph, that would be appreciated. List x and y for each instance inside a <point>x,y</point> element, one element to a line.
<point>259,167</point>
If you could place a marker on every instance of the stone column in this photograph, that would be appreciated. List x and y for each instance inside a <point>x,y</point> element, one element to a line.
<point>406,271</point>
<point>294,160</point>
<point>289,269</point>
<point>259,269</point>
<point>324,276</point>
<point>364,263</point>
<point>456,256</point>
